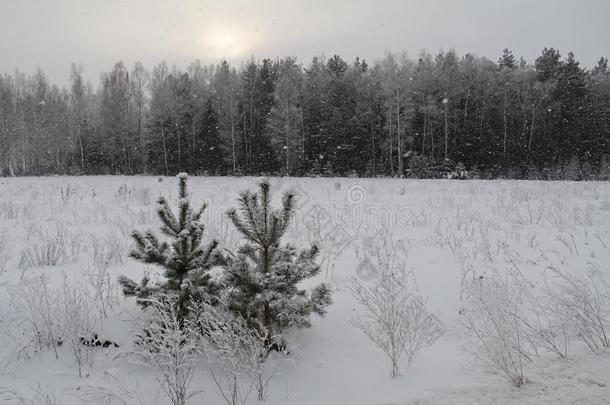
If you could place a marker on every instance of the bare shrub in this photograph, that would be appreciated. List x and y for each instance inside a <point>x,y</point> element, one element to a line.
<point>492,315</point>
<point>124,192</point>
<point>583,303</point>
<point>67,193</point>
<point>104,289</point>
<point>168,346</point>
<point>108,251</point>
<point>72,242</point>
<point>33,229</point>
<point>73,247</point>
<point>114,390</point>
<point>391,312</point>
<point>236,353</point>
<point>39,395</point>
<point>49,252</point>
<point>36,315</point>
<point>4,249</point>
<point>381,252</point>
<point>15,342</point>
<point>9,210</point>
<point>314,222</point>
<point>143,196</point>
<point>393,315</point>
<point>542,324</point>
<point>45,318</point>
<point>77,323</point>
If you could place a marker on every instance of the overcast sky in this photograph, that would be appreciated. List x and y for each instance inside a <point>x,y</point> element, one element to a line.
<point>96,33</point>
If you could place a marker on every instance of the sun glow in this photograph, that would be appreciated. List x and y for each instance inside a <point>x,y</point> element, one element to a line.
<point>223,40</point>
<point>227,43</point>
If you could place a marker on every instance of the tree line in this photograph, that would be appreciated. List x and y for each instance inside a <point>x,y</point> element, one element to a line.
<point>395,117</point>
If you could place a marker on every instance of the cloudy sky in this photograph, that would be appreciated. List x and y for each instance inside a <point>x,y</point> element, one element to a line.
<point>96,33</point>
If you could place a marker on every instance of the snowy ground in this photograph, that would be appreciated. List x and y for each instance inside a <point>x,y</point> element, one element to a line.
<point>442,226</point>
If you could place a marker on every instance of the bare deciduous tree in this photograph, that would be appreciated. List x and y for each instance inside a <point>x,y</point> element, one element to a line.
<point>393,315</point>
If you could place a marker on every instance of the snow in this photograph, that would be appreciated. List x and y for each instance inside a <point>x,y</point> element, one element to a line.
<point>441,224</point>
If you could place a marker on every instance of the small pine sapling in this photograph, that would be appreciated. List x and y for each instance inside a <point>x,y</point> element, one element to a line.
<point>186,260</point>
<point>263,276</point>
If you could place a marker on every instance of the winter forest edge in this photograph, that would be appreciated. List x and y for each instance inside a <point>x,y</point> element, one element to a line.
<point>430,117</point>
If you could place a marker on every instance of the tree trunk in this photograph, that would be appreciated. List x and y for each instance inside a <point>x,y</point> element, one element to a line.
<point>466,105</point>
<point>304,153</point>
<point>529,143</point>
<point>82,151</point>
<point>287,142</point>
<point>372,141</point>
<point>233,144</point>
<point>505,126</point>
<point>391,157</point>
<point>446,132</point>
<point>431,140</point>
<point>399,137</point>
<point>164,149</point>
<point>143,153</point>
<point>179,149</point>
<point>423,142</point>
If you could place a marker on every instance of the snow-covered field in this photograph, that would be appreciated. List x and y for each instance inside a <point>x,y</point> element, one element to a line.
<point>442,228</point>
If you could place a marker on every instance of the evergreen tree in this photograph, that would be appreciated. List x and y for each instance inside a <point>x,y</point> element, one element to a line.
<point>185,260</point>
<point>226,92</point>
<point>341,124</point>
<point>570,95</point>
<point>316,110</point>
<point>547,65</point>
<point>507,60</point>
<point>328,169</point>
<point>601,67</point>
<point>263,276</point>
<point>316,169</point>
<point>209,156</point>
<point>256,91</point>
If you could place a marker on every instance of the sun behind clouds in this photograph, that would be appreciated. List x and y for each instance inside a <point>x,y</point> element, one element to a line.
<point>223,40</point>
<point>228,42</point>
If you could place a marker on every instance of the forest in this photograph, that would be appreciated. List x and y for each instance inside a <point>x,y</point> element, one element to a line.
<point>403,117</point>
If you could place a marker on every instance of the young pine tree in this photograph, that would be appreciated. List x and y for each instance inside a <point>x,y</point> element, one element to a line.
<point>185,260</point>
<point>316,169</point>
<point>263,277</point>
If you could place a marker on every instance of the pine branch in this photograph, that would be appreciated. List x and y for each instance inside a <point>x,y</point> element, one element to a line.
<point>242,227</point>
<point>248,222</point>
<point>206,258</point>
<point>182,188</point>
<point>170,223</point>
